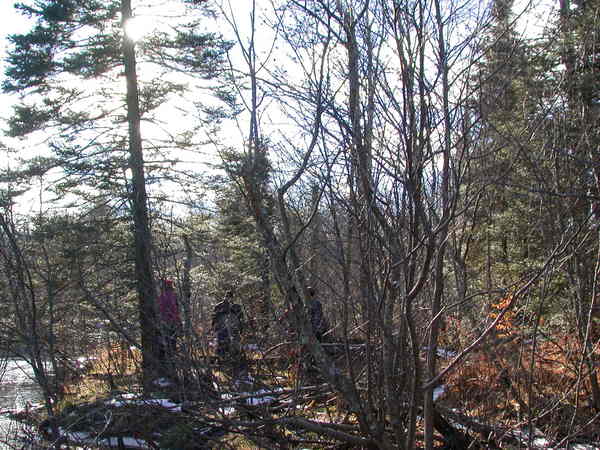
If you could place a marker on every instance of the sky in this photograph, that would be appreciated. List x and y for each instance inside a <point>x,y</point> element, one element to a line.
<point>542,10</point>
<point>10,22</point>
<point>13,22</point>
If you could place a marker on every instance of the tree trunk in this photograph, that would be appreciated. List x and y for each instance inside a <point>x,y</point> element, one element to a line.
<point>142,237</point>
<point>186,286</point>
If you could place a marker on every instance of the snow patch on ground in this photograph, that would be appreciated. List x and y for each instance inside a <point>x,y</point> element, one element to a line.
<point>438,392</point>
<point>263,400</point>
<point>83,438</point>
<point>129,442</point>
<point>260,397</point>
<point>165,403</point>
<point>227,411</point>
<point>163,382</point>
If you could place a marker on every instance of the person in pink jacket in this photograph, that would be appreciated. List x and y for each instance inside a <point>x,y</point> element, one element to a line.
<point>169,322</point>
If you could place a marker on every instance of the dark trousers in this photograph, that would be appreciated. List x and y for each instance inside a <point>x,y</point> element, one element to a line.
<point>167,349</point>
<point>230,353</point>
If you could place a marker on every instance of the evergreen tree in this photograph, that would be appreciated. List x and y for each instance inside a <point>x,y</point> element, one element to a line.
<point>60,274</point>
<point>67,70</point>
<point>575,154</point>
<point>506,166</point>
<point>537,134</point>
<point>244,259</point>
<point>580,36</point>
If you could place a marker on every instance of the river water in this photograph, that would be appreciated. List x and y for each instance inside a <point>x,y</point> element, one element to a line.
<point>17,389</point>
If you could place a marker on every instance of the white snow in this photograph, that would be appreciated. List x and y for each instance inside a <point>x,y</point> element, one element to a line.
<point>263,400</point>
<point>80,437</point>
<point>165,403</point>
<point>447,354</point>
<point>438,392</point>
<point>163,382</point>
<point>129,442</point>
<point>259,397</point>
<point>227,411</point>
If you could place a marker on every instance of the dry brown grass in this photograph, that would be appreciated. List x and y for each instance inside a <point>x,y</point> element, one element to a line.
<point>515,381</point>
<point>108,369</point>
<point>503,384</point>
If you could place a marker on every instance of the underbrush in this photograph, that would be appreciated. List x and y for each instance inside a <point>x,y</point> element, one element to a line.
<point>518,382</point>
<point>510,383</point>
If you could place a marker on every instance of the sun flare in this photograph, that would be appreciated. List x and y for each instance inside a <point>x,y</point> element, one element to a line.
<point>138,27</point>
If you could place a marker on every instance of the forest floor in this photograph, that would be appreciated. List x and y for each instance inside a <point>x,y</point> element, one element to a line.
<point>513,394</point>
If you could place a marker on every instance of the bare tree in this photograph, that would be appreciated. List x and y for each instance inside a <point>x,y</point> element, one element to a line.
<point>379,94</point>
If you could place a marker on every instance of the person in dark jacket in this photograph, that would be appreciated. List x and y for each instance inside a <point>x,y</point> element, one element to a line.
<point>169,326</point>
<point>227,323</point>
<point>315,310</point>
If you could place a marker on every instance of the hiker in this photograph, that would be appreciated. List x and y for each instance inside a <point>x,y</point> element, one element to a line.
<point>169,321</point>
<point>315,310</point>
<point>227,323</point>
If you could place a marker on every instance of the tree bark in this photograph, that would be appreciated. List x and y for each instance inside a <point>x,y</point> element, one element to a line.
<point>139,199</point>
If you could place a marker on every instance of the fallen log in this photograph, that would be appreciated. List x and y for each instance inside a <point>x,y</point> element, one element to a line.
<point>496,436</point>
<point>453,438</point>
